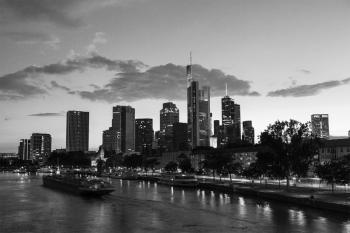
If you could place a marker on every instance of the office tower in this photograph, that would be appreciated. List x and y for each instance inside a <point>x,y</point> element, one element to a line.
<point>24,149</point>
<point>40,147</point>
<point>77,133</point>
<point>248,132</point>
<point>198,112</point>
<point>216,127</point>
<point>179,136</point>
<point>111,140</point>
<point>320,125</point>
<point>144,135</point>
<point>124,122</point>
<point>231,119</point>
<point>169,114</point>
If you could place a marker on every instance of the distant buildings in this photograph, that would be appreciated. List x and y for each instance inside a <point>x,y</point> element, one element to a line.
<point>124,122</point>
<point>216,127</point>
<point>231,120</point>
<point>320,125</point>
<point>77,133</point>
<point>198,112</point>
<point>334,149</point>
<point>24,149</point>
<point>144,135</point>
<point>40,147</point>
<point>248,132</point>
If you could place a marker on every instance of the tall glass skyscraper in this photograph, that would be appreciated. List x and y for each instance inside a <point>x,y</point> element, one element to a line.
<point>198,112</point>
<point>40,146</point>
<point>77,131</point>
<point>144,135</point>
<point>124,122</point>
<point>231,120</point>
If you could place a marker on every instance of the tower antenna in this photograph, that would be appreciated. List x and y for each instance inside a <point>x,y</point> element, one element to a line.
<point>226,88</point>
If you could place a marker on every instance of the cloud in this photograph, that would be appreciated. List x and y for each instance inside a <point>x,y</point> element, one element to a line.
<point>304,71</point>
<point>307,90</point>
<point>23,84</point>
<point>47,114</point>
<point>54,84</point>
<point>32,38</point>
<point>66,13</point>
<point>165,82</point>
<point>100,38</point>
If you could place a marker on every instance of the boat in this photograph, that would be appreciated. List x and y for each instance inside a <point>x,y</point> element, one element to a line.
<point>78,185</point>
<point>179,180</point>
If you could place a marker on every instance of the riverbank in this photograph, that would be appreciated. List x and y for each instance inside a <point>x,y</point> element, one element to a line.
<point>325,200</point>
<point>320,199</point>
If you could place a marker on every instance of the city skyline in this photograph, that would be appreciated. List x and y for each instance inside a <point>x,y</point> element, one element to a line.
<point>49,65</point>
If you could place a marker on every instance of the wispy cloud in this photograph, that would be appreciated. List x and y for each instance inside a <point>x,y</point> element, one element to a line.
<point>47,114</point>
<point>32,38</point>
<point>100,38</point>
<point>65,13</point>
<point>307,90</point>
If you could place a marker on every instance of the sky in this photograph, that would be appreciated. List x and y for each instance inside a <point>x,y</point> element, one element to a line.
<point>280,59</point>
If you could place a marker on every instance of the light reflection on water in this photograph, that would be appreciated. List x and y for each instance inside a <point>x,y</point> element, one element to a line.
<point>148,207</point>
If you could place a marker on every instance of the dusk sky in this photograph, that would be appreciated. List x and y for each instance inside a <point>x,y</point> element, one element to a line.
<point>280,59</point>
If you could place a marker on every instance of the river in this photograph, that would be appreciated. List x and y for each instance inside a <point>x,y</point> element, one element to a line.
<point>27,206</point>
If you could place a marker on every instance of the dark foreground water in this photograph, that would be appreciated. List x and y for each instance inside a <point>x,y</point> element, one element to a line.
<point>27,206</point>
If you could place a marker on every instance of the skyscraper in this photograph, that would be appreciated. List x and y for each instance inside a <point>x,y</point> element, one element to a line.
<point>111,140</point>
<point>320,125</point>
<point>198,111</point>
<point>231,119</point>
<point>216,127</point>
<point>40,147</point>
<point>24,149</point>
<point>77,133</point>
<point>248,132</point>
<point>169,114</point>
<point>179,137</point>
<point>144,135</point>
<point>124,122</point>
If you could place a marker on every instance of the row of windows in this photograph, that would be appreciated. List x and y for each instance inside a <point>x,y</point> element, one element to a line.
<point>333,150</point>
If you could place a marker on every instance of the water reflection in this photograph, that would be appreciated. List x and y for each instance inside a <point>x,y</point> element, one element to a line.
<point>148,207</point>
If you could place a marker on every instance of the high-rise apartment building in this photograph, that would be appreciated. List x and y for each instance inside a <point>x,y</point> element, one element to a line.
<point>24,149</point>
<point>40,148</point>
<point>198,112</point>
<point>144,135</point>
<point>216,127</point>
<point>320,125</point>
<point>231,120</point>
<point>124,122</point>
<point>77,131</point>
<point>248,132</point>
<point>111,140</point>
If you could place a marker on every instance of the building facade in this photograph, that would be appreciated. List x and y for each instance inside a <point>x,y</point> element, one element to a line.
<point>124,122</point>
<point>334,149</point>
<point>169,115</point>
<point>24,149</point>
<point>111,140</point>
<point>144,135</point>
<point>40,148</point>
<point>77,131</point>
<point>320,125</point>
<point>248,132</point>
<point>231,120</point>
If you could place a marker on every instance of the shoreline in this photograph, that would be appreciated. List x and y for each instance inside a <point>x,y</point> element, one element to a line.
<point>323,200</point>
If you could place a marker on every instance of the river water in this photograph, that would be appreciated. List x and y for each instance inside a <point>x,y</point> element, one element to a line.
<point>27,206</point>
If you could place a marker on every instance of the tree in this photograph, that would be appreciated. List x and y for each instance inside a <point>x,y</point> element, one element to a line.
<point>185,165</point>
<point>217,162</point>
<point>132,161</point>
<point>171,166</point>
<point>149,163</point>
<point>234,167</point>
<point>290,150</point>
<point>335,171</point>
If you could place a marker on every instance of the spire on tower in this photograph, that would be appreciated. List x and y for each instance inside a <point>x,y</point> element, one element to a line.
<point>226,89</point>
